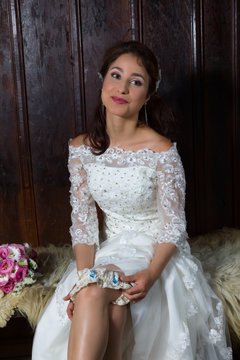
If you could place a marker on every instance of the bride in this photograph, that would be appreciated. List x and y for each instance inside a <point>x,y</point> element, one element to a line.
<point>140,260</point>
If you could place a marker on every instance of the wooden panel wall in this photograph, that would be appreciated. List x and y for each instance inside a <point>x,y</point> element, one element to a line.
<point>50,52</point>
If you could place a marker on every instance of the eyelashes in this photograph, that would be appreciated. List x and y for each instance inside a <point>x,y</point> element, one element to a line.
<point>116,75</point>
<point>135,82</point>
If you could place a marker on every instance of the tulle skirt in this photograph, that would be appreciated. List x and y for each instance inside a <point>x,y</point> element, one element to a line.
<point>181,318</point>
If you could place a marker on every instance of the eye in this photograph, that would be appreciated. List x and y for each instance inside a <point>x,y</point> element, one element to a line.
<point>115,75</point>
<point>136,82</point>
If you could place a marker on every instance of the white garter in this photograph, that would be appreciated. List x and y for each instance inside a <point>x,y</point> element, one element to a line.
<point>104,278</point>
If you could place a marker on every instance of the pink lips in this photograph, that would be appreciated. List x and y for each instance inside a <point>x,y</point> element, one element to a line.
<point>118,100</point>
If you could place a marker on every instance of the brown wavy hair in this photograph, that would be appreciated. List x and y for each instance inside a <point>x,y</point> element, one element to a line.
<point>160,117</point>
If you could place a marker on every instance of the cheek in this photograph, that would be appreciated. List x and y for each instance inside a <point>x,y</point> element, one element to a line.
<point>140,96</point>
<point>107,89</point>
<point>107,85</point>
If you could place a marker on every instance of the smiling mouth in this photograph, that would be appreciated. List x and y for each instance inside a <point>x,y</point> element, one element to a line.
<point>118,100</point>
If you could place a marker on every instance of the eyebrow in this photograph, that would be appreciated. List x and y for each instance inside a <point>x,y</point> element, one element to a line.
<point>133,74</point>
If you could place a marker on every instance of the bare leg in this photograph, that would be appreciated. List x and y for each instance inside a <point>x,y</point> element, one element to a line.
<point>117,318</point>
<point>88,337</point>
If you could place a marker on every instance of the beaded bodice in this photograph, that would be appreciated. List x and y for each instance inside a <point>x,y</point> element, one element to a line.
<point>139,191</point>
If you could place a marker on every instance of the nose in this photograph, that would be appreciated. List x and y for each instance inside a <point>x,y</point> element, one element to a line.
<point>123,87</point>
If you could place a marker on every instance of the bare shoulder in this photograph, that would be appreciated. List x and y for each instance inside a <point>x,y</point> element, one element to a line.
<point>79,140</point>
<point>162,144</point>
<point>157,142</point>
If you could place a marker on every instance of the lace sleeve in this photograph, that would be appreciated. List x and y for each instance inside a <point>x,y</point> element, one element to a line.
<point>171,200</point>
<point>84,227</point>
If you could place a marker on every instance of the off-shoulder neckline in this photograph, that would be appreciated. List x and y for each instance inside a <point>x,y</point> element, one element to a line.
<point>119,150</point>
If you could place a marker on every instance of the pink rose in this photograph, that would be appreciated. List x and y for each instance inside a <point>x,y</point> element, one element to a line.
<point>4,279</point>
<point>8,287</point>
<point>12,275</point>
<point>20,273</point>
<point>6,266</point>
<point>4,252</point>
<point>20,247</point>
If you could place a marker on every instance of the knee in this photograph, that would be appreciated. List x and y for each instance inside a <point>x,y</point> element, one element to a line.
<point>91,294</point>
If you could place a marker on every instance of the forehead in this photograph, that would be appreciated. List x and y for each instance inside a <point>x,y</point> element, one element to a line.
<point>129,62</point>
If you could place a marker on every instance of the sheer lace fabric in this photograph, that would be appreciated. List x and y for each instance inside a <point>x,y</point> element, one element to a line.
<point>145,188</point>
<point>84,227</point>
<point>142,197</point>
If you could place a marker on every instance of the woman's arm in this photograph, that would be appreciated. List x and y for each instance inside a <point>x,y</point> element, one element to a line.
<point>160,259</point>
<point>172,223</point>
<point>145,279</point>
<point>84,256</point>
<point>84,229</point>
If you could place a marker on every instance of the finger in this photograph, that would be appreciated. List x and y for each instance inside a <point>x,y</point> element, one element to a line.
<point>67,297</point>
<point>128,278</point>
<point>70,309</point>
<point>135,297</point>
<point>69,313</point>
<point>134,290</point>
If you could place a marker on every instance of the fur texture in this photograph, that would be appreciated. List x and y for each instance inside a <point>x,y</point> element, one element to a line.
<point>52,262</point>
<point>219,253</point>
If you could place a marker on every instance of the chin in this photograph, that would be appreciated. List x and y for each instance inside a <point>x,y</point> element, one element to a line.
<point>117,112</point>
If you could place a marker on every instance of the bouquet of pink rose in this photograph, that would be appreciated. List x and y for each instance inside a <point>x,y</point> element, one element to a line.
<point>17,267</point>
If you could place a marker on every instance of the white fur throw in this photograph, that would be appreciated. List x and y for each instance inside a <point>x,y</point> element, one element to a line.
<point>219,253</point>
<point>52,262</point>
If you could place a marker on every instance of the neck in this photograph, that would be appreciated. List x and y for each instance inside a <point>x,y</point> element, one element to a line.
<point>121,131</point>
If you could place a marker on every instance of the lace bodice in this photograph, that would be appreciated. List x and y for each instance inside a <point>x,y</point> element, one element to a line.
<point>137,191</point>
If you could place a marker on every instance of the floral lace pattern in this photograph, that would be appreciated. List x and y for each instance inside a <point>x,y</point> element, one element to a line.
<point>192,309</point>
<point>84,227</point>
<point>149,185</point>
<point>176,351</point>
<point>217,335</point>
<point>171,194</point>
<point>189,277</point>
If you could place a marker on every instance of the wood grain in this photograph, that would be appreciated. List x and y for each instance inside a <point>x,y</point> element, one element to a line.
<point>167,30</point>
<point>49,78</point>
<point>17,198</point>
<point>236,111</point>
<point>50,54</point>
<point>218,113</point>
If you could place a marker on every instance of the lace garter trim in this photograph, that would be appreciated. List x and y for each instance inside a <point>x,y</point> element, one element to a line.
<point>104,278</point>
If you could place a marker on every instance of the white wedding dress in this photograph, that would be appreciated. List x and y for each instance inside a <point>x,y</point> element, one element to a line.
<point>142,197</point>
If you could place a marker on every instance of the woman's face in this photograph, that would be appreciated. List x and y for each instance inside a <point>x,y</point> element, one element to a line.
<point>125,87</point>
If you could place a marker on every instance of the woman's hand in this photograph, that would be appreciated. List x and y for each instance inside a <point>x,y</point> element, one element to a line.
<point>143,281</point>
<point>70,307</point>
